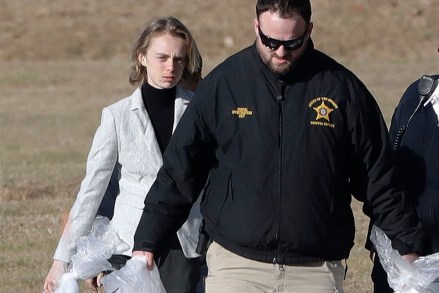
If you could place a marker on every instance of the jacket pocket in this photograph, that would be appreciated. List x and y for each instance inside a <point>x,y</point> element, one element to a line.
<point>227,195</point>
<point>216,194</point>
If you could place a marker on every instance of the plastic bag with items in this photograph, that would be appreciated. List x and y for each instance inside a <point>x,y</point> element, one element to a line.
<point>402,276</point>
<point>68,284</point>
<point>134,277</point>
<point>93,252</point>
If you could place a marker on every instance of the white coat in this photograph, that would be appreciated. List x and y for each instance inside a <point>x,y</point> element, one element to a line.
<point>125,140</point>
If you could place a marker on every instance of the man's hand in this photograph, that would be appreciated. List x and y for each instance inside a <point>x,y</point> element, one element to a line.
<point>94,283</point>
<point>410,257</point>
<point>149,258</point>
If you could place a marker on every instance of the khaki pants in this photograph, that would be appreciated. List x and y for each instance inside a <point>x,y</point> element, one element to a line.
<point>230,273</point>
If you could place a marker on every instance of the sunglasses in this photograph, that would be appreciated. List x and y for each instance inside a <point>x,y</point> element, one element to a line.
<point>274,44</point>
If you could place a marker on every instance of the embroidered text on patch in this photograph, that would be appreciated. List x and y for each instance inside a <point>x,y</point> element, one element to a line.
<point>323,111</point>
<point>242,112</point>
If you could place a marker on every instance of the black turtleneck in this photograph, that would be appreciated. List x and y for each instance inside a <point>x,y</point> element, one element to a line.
<point>159,104</point>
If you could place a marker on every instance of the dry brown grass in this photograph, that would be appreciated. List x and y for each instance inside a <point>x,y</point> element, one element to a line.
<point>62,61</point>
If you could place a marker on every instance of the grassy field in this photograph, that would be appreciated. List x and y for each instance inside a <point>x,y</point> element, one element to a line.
<point>62,61</point>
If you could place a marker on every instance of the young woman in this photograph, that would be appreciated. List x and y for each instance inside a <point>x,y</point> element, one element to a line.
<point>127,153</point>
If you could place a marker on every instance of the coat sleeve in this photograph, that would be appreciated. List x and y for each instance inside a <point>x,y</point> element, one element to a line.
<point>394,126</point>
<point>100,164</point>
<point>375,180</point>
<point>186,163</point>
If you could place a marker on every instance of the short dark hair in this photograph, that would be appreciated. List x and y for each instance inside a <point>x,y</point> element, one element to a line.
<point>285,7</point>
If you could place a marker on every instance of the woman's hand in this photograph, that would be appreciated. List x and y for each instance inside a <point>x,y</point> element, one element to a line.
<point>58,269</point>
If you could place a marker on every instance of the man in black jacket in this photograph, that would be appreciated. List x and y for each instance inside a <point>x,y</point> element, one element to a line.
<point>279,136</point>
<point>415,135</point>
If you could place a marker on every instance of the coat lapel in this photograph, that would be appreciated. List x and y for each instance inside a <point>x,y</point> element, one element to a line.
<point>138,110</point>
<point>143,121</point>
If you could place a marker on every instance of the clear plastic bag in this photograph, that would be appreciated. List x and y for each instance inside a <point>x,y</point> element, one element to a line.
<point>92,253</point>
<point>134,277</point>
<point>402,276</point>
<point>68,284</point>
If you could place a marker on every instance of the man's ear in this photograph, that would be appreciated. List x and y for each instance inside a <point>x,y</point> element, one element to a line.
<point>255,26</point>
<point>310,27</point>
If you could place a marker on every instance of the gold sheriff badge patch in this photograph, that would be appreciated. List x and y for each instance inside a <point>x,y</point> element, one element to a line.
<point>323,107</point>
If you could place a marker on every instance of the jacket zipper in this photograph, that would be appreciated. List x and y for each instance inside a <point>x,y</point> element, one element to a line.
<point>280,98</point>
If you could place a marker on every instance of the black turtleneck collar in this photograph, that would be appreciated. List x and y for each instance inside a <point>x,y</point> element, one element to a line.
<point>159,104</point>
<point>152,95</point>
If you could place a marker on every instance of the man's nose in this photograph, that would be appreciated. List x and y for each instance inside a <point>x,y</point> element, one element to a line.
<point>281,51</point>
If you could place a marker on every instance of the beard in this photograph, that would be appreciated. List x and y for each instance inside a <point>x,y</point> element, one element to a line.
<point>279,68</point>
<point>268,58</point>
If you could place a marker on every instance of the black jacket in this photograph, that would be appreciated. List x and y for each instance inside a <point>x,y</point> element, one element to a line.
<point>418,160</point>
<point>279,157</point>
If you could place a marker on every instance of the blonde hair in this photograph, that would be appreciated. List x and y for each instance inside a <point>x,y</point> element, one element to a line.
<point>159,26</point>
